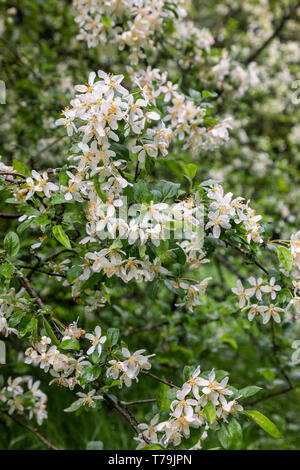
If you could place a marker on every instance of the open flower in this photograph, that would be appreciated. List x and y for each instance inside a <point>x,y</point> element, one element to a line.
<point>88,398</point>
<point>271,288</point>
<point>97,341</point>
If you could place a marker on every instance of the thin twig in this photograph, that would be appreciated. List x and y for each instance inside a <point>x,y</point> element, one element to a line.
<point>276,393</point>
<point>30,289</point>
<point>127,415</point>
<point>6,215</point>
<point>284,19</point>
<point>138,402</point>
<point>32,430</point>
<point>155,377</point>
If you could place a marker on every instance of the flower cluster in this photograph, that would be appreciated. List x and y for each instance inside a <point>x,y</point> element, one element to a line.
<point>137,25</point>
<point>63,367</point>
<point>10,302</point>
<point>68,368</point>
<point>186,119</point>
<point>295,252</point>
<point>100,110</point>
<point>189,410</point>
<point>129,369</point>
<point>133,23</point>
<point>193,292</point>
<point>36,184</point>
<point>224,212</point>
<point>23,396</point>
<point>295,249</point>
<point>263,294</point>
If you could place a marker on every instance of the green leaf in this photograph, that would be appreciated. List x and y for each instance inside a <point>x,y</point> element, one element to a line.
<point>190,170</point>
<point>285,257</point>
<point>195,94</point>
<point>210,122</point>
<point>195,436</point>
<point>12,243</point>
<point>75,406</point>
<point>162,248</point>
<point>249,391</point>
<point>169,189</point>
<point>180,255</point>
<point>162,400</point>
<point>71,343</point>
<point>208,183</point>
<point>106,20</point>
<point>23,226</point>
<point>90,373</point>
<point>63,177</point>
<point>187,372</point>
<point>27,324</point>
<point>170,396</point>
<point>153,447</point>
<point>209,94</point>
<point>153,288</point>
<point>230,435</point>
<point>50,332</point>
<point>94,445</point>
<point>98,189</point>
<point>141,192</point>
<point>21,168</point>
<point>113,335</point>
<point>210,412</point>
<point>61,236</point>
<point>74,273</point>
<point>15,319</point>
<point>7,270</point>
<point>265,423</point>
<point>121,150</point>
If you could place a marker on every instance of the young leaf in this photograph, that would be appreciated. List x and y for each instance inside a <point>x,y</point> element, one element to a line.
<point>61,236</point>
<point>230,435</point>
<point>12,243</point>
<point>190,170</point>
<point>113,335</point>
<point>94,445</point>
<point>210,412</point>
<point>265,423</point>
<point>71,343</point>
<point>162,400</point>
<point>249,391</point>
<point>75,406</point>
<point>7,270</point>
<point>285,257</point>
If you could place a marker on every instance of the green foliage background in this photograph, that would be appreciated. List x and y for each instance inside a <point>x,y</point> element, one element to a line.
<point>40,61</point>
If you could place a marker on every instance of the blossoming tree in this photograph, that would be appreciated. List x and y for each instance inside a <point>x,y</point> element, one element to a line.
<point>133,281</point>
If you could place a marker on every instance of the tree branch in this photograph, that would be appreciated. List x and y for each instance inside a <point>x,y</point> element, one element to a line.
<point>138,402</point>
<point>284,19</point>
<point>155,377</point>
<point>32,430</point>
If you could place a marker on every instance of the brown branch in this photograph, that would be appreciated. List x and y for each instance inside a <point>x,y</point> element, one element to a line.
<point>127,415</point>
<point>5,215</point>
<point>32,430</point>
<point>252,260</point>
<point>284,19</point>
<point>138,402</point>
<point>26,284</point>
<point>276,393</point>
<point>42,271</point>
<point>155,377</point>
<point>14,174</point>
<point>136,174</point>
